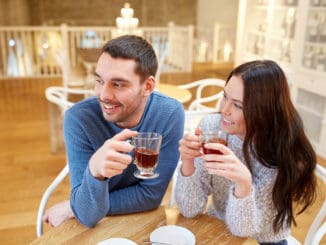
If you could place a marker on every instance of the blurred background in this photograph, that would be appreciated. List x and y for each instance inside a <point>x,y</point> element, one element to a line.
<point>46,43</point>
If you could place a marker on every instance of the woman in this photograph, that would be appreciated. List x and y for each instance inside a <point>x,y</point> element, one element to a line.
<point>267,166</point>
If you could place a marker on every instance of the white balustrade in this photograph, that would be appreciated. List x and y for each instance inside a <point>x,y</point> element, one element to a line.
<point>32,50</point>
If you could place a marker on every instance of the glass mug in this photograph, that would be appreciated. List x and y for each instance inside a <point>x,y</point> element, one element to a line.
<point>146,153</point>
<point>213,136</point>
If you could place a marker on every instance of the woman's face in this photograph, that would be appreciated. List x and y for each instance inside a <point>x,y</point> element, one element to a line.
<point>231,108</point>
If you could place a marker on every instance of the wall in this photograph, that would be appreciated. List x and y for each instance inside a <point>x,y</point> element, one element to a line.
<point>219,11</point>
<point>14,12</point>
<point>95,12</point>
<point>161,12</point>
<point>210,12</point>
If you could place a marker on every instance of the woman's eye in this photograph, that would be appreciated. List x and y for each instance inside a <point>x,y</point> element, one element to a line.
<point>238,106</point>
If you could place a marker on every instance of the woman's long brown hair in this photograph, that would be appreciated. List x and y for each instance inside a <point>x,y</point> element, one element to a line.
<point>276,137</point>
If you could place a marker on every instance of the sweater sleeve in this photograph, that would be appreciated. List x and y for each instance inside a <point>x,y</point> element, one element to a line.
<point>258,206</point>
<point>89,196</point>
<point>192,191</point>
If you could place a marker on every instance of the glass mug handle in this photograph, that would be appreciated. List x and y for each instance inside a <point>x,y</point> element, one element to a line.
<point>131,142</point>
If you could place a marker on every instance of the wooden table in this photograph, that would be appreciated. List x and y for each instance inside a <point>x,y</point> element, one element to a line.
<point>138,227</point>
<point>182,95</point>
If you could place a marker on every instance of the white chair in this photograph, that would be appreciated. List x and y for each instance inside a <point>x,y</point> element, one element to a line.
<point>196,111</point>
<point>318,227</point>
<point>199,103</point>
<point>161,62</point>
<point>69,78</point>
<point>60,97</point>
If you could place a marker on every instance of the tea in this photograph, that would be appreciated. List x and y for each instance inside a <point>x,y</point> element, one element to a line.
<point>146,158</point>
<point>213,151</point>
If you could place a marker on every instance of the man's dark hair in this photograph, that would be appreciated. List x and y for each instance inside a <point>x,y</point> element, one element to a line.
<point>136,48</point>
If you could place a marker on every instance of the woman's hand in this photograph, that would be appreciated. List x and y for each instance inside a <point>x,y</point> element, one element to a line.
<point>189,149</point>
<point>230,167</point>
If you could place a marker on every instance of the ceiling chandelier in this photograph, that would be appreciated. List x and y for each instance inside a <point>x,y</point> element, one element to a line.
<point>127,23</point>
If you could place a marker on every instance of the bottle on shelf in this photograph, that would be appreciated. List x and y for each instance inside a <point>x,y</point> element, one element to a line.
<point>290,23</point>
<point>321,60</point>
<point>290,2</point>
<point>322,27</point>
<point>315,2</point>
<point>313,27</point>
<point>283,26</point>
<point>308,57</point>
<point>261,42</point>
<point>255,48</point>
<point>286,50</point>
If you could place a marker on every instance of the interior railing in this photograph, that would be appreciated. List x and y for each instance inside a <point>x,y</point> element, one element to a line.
<point>33,50</point>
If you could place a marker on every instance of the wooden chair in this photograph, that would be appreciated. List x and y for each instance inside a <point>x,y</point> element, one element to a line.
<point>59,96</point>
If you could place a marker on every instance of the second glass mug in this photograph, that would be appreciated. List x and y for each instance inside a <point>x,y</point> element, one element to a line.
<point>146,153</point>
<point>217,136</point>
<point>213,134</point>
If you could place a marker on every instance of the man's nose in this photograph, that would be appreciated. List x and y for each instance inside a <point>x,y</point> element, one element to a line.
<point>106,92</point>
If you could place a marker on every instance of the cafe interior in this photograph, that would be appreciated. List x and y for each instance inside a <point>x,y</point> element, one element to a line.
<point>48,53</point>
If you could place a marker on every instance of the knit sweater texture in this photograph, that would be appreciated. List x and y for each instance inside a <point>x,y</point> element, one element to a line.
<point>85,131</point>
<point>251,216</point>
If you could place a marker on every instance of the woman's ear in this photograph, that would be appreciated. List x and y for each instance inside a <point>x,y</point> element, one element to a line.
<point>149,85</point>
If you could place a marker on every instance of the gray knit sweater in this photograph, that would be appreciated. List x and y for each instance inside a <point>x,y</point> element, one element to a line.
<point>251,216</point>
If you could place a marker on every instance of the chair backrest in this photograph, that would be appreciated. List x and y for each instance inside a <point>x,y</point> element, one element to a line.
<point>62,59</point>
<point>192,119</point>
<point>200,101</point>
<point>59,96</point>
<point>317,228</point>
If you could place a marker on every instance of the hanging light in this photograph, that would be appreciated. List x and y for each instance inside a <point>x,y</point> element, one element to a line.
<point>126,23</point>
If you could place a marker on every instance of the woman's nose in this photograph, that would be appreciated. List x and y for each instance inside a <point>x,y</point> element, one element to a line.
<point>225,108</point>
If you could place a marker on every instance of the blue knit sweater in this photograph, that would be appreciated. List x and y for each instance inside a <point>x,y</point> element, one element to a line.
<point>85,130</point>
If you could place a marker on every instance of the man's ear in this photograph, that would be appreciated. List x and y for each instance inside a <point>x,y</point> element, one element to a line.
<point>149,85</point>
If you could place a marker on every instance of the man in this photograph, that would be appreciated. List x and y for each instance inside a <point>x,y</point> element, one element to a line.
<point>97,130</point>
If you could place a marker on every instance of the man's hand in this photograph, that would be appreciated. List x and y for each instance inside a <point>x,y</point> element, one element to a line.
<point>58,214</point>
<point>111,158</point>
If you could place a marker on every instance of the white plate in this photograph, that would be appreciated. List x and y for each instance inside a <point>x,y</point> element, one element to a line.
<point>117,241</point>
<point>172,234</point>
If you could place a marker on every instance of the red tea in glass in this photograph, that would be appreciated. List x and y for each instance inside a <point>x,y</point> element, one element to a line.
<point>146,158</point>
<point>213,136</point>
<point>212,151</point>
<point>147,150</point>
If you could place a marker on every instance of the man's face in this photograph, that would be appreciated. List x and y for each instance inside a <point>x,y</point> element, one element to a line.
<point>121,94</point>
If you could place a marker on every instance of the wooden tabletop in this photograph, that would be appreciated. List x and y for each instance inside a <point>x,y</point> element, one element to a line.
<point>182,95</point>
<point>138,227</point>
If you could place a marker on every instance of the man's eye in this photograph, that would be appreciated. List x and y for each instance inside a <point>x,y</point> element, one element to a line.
<point>99,81</point>
<point>118,85</point>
